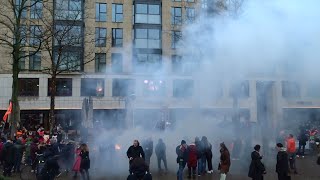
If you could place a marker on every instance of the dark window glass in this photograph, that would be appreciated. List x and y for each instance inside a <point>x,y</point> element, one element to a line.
<point>68,60</point>
<point>92,87</point>
<point>68,35</point>
<point>175,38</point>
<point>153,87</point>
<point>176,16</point>
<point>21,5</point>
<point>147,14</point>
<point>290,89</point>
<point>190,15</point>
<point>146,63</point>
<point>101,12</point>
<point>122,87</point>
<point>240,89</point>
<point>28,87</point>
<point>35,61</point>
<point>148,38</point>
<point>36,9</point>
<point>117,37</point>
<point>117,13</point>
<point>35,35</point>
<point>22,61</point>
<point>116,62</point>
<point>101,37</point>
<point>63,87</point>
<point>68,9</point>
<point>183,88</point>
<point>101,62</point>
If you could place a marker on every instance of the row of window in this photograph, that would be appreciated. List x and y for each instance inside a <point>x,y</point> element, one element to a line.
<point>95,87</point>
<point>101,37</point>
<point>101,12</point>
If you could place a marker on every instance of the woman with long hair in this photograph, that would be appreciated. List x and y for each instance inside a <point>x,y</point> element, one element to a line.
<point>225,162</point>
<point>77,163</point>
<point>85,161</point>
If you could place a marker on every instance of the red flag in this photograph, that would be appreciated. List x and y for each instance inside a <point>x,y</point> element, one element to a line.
<point>5,117</point>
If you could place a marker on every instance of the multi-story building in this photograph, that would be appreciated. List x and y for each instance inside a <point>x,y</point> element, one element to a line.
<point>135,65</point>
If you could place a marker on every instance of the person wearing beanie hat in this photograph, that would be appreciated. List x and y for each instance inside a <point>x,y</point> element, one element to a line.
<point>182,159</point>
<point>257,168</point>
<point>282,167</point>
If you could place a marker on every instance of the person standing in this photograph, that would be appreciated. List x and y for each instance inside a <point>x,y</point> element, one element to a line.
<point>303,138</point>
<point>160,151</point>
<point>201,156</point>
<point>182,153</point>
<point>225,162</point>
<point>85,161</point>
<point>8,153</point>
<point>192,161</point>
<point>77,163</point>
<point>291,149</point>
<point>148,150</point>
<point>282,167</point>
<point>257,168</point>
<point>207,153</point>
<point>135,151</point>
<point>19,147</point>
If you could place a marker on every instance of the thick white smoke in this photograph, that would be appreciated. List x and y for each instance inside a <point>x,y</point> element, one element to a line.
<point>269,38</point>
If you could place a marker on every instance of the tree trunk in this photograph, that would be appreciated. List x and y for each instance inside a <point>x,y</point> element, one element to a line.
<point>15,115</point>
<point>53,91</point>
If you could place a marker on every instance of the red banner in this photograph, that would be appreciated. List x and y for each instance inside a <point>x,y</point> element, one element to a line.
<point>5,117</point>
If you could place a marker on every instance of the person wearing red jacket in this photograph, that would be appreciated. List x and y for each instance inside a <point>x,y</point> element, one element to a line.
<point>291,149</point>
<point>192,160</point>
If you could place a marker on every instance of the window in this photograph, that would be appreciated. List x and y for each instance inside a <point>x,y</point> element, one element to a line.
<point>35,35</point>
<point>68,9</point>
<point>35,61</point>
<point>68,60</point>
<point>116,62</point>
<point>36,9</point>
<point>63,87</point>
<point>122,87</point>
<point>147,38</point>
<point>183,88</point>
<point>92,87</point>
<point>190,0</point>
<point>28,87</point>
<point>68,35</point>
<point>153,87</point>
<point>117,13</point>
<point>101,62</point>
<point>290,89</point>
<point>147,62</point>
<point>23,35</point>
<point>190,15</point>
<point>22,61</point>
<point>147,14</point>
<point>177,64</point>
<point>21,5</point>
<point>101,37</point>
<point>176,15</point>
<point>313,90</point>
<point>176,36</point>
<point>184,65</point>
<point>240,89</point>
<point>101,12</point>
<point>117,37</point>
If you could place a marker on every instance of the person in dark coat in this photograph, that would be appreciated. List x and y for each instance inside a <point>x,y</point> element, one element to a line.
<point>192,160</point>
<point>67,156</point>
<point>303,138</point>
<point>85,161</point>
<point>160,151</point>
<point>8,153</point>
<point>19,153</point>
<point>225,163</point>
<point>201,156</point>
<point>139,167</point>
<point>257,168</point>
<point>182,159</point>
<point>148,150</point>
<point>207,153</point>
<point>282,167</point>
<point>135,151</point>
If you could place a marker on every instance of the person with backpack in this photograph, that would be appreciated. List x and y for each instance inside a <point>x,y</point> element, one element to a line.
<point>257,168</point>
<point>160,151</point>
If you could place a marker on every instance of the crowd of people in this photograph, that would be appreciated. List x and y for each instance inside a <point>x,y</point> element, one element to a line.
<point>48,155</point>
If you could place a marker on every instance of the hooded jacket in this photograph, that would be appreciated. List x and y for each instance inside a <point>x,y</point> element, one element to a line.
<point>282,166</point>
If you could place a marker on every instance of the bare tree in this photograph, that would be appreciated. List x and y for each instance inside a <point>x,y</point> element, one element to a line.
<point>14,36</point>
<point>67,44</point>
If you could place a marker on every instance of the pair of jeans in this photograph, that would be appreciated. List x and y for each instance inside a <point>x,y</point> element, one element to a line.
<point>292,161</point>
<point>303,149</point>
<point>209,162</point>
<point>164,159</point>
<point>201,165</point>
<point>182,165</point>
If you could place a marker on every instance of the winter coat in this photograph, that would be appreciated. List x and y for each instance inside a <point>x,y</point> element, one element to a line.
<point>139,166</point>
<point>256,169</point>
<point>303,138</point>
<point>282,166</point>
<point>291,145</point>
<point>19,150</point>
<point>182,154</point>
<point>33,150</point>
<point>85,160</point>
<point>77,163</point>
<point>148,148</point>
<point>200,149</point>
<point>225,162</point>
<point>160,149</point>
<point>192,155</point>
<point>9,153</point>
<point>135,152</point>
